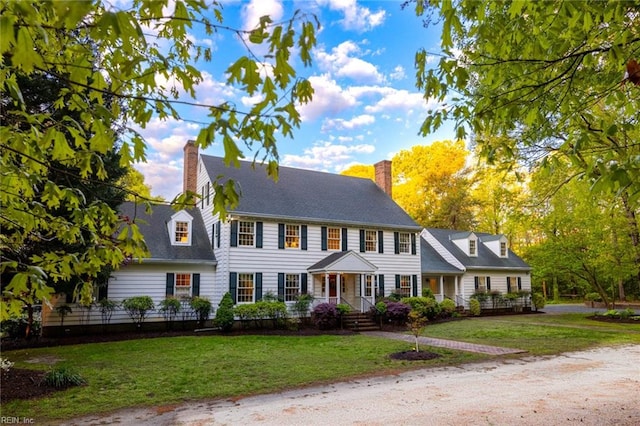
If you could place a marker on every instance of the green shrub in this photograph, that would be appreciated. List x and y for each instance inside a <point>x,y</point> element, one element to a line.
<point>202,308</point>
<point>246,312</point>
<point>426,292</point>
<point>224,314</point>
<point>301,305</point>
<point>627,313</point>
<point>275,311</point>
<point>138,307</point>
<point>16,327</point>
<point>107,307</point>
<point>447,308</point>
<point>480,296</point>
<point>474,307</point>
<point>169,308</point>
<point>63,377</point>
<point>343,308</point>
<point>538,300</point>
<point>425,306</point>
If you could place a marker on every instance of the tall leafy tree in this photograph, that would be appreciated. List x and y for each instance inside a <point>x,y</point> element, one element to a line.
<point>102,53</point>
<point>555,81</point>
<point>431,182</point>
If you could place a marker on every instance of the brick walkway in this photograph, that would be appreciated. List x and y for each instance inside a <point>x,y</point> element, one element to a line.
<point>449,344</point>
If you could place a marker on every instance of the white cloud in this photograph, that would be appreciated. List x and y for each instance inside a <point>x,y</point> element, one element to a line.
<point>398,73</point>
<point>342,63</point>
<point>342,124</point>
<point>255,9</point>
<point>326,156</point>
<point>356,18</point>
<point>328,99</point>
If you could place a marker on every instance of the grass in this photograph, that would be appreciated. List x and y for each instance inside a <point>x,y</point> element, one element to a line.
<point>538,334</point>
<point>167,371</point>
<point>172,370</point>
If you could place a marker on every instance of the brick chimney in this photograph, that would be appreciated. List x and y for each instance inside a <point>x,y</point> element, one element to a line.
<point>383,175</point>
<point>190,173</point>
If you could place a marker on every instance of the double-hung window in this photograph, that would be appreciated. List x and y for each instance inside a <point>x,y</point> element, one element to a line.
<point>503,249</point>
<point>291,287</point>
<point>472,248</point>
<point>183,285</point>
<point>368,285</point>
<point>370,241</point>
<point>246,233</point>
<point>245,291</point>
<point>333,238</point>
<point>181,232</point>
<point>405,285</point>
<point>404,242</point>
<point>292,236</point>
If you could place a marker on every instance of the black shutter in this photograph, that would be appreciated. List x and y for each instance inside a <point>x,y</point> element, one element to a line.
<point>213,235</point>
<point>303,231</point>
<point>488,283</point>
<point>234,233</point>
<point>414,282</point>
<point>396,242</point>
<point>476,283</point>
<point>323,238</point>
<point>362,248</point>
<point>259,227</point>
<point>103,291</point>
<point>233,286</point>
<point>170,282</point>
<point>397,282</point>
<point>413,244</point>
<point>344,239</point>
<point>195,289</point>
<point>380,242</point>
<point>281,235</point>
<point>280,286</point>
<point>508,284</point>
<point>381,285</point>
<point>519,283</point>
<point>303,283</point>
<point>208,191</point>
<point>219,231</point>
<point>258,286</point>
<point>202,198</point>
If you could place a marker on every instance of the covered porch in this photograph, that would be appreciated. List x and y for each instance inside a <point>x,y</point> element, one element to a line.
<point>344,277</point>
<point>445,287</point>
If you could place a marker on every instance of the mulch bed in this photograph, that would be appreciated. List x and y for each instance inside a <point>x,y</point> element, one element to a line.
<point>18,383</point>
<point>414,356</point>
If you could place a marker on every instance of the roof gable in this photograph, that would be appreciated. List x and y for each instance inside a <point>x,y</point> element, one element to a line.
<point>345,261</point>
<point>310,196</point>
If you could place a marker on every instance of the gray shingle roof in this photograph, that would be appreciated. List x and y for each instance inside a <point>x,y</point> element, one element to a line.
<point>432,262</point>
<point>311,196</point>
<point>157,238</point>
<point>485,259</point>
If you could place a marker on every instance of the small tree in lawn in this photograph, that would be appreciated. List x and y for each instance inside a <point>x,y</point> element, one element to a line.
<point>416,323</point>
<point>138,307</point>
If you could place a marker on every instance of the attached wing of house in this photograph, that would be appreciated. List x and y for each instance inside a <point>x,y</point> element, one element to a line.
<point>457,264</point>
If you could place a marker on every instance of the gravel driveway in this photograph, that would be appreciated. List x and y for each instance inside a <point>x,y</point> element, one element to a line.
<point>594,387</point>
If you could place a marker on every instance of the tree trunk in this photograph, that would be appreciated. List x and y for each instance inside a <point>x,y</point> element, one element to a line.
<point>634,233</point>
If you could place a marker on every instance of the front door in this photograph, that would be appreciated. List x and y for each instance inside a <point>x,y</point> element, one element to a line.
<point>333,285</point>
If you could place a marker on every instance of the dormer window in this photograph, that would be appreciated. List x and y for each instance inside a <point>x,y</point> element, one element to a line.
<point>503,249</point>
<point>180,229</point>
<point>472,248</point>
<point>182,233</point>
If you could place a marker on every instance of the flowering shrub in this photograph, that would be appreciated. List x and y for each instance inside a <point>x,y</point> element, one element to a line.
<point>325,316</point>
<point>397,312</point>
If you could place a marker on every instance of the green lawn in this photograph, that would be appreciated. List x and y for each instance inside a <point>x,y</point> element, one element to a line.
<point>173,370</point>
<point>538,334</point>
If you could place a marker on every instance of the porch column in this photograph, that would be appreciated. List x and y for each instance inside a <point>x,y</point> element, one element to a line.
<point>362,293</point>
<point>326,287</point>
<point>442,287</point>
<point>338,287</point>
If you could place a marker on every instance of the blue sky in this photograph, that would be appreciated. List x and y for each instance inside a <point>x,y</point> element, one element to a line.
<point>365,108</point>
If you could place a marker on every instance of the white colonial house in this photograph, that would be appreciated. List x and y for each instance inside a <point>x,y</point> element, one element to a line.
<point>340,238</point>
<point>456,265</point>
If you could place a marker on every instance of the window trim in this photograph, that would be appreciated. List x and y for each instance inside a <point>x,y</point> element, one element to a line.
<point>252,234</point>
<point>240,280</point>
<point>370,242</point>
<point>406,243</point>
<point>292,292</point>
<point>297,236</point>
<point>189,287</point>
<point>334,240</point>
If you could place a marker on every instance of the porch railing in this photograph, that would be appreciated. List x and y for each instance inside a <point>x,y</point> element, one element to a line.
<point>366,304</point>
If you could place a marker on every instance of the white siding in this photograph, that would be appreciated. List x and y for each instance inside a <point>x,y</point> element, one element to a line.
<point>137,280</point>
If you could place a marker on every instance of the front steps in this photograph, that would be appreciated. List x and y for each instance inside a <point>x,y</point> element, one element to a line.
<point>357,321</point>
